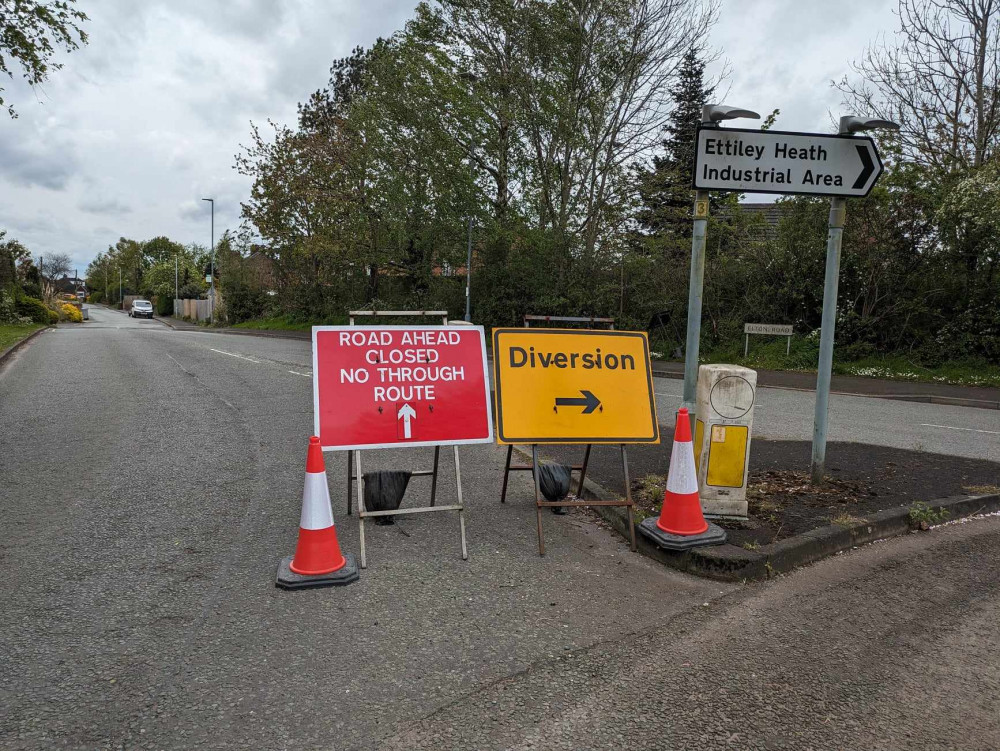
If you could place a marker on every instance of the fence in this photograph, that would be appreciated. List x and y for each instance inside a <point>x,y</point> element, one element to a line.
<point>196,310</point>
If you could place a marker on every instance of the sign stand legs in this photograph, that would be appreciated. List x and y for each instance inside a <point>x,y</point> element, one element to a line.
<point>540,503</point>
<point>354,475</point>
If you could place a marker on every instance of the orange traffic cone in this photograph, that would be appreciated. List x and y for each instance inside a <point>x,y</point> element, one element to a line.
<point>681,524</point>
<point>317,561</point>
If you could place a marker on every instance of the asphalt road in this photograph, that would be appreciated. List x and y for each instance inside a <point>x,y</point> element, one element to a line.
<point>784,414</point>
<point>151,481</point>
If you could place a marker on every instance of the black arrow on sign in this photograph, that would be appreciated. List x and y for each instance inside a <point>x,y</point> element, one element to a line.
<point>868,166</point>
<point>589,402</point>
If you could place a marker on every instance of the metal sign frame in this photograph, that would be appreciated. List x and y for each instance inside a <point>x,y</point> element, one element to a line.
<point>540,503</point>
<point>747,333</point>
<point>880,167</point>
<point>355,475</point>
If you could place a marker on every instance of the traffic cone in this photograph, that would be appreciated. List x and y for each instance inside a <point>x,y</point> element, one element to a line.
<point>318,561</point>
<point>681,524</point>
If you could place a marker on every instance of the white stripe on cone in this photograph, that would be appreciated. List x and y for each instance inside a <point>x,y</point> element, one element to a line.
<point>316,511</point>
<point>682,477</point>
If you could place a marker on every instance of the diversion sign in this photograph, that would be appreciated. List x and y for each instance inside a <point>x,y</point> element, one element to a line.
<point>573,386</point>
<point>388,386</point>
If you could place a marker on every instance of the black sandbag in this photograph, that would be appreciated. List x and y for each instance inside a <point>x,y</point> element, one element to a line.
<point>384,492</point>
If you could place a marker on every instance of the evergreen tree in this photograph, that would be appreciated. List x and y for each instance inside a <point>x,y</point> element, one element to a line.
<point>666,188</point>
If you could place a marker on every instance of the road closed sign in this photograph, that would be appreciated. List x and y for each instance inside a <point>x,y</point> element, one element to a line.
<point>573,386</point>
<point>389,386</point>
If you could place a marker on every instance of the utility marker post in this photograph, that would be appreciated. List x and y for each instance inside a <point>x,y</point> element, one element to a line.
<point>849,125</point>
<point>711,115</point>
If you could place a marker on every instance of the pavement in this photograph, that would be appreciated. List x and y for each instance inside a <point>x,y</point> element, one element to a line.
<point>152,482</point>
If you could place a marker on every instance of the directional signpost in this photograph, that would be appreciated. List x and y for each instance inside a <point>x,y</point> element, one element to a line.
<point>571,386</point>
<point>771,161</point>
<point>757,161</point>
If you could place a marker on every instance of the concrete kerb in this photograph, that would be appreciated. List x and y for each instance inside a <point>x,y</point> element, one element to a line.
<point>9,352</point>
<point>732,563</point>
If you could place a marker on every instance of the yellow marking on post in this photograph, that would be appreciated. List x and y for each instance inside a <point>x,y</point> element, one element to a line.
<point>573,386</point>
<point>701,208</point>
<point>727,456</point>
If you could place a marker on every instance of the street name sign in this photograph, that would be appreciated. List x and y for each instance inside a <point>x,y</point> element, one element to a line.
<point>391,386</point>
<point>573,386</point>
<point>773,161</point>
<point>775,329</point>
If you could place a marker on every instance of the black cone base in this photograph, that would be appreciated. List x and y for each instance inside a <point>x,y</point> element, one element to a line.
<point>288,579</point>
<point>714,535</point>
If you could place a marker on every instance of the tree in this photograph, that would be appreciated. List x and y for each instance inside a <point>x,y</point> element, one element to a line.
<point>665,189</point>
<point>54,266</point>
<point>30,34</point>
<point>940,81</point>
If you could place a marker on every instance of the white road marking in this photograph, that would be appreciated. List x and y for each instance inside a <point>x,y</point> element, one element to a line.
<point>295,372</point>
<point>241,357</point>
<point>949,427</point>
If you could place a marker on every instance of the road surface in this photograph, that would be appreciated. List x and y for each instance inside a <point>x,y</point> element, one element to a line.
<point>152,481</point>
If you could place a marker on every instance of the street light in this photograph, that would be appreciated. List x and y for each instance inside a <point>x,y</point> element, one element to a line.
<point>849,124</point>
<point>211,308</point>
<point>120,288</point>
<point>471,78</point>
<point>711,116</point>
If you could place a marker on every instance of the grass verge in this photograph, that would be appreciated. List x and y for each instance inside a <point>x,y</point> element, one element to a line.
<point>768,353</point>
<point>11,334</point>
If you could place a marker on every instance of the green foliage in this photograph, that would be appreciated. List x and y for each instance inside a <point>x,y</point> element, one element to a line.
<point>30,34</point>
<point>32,308</point>
<point>53,317</point>
<point>923,516</point>
<point>244,303</point>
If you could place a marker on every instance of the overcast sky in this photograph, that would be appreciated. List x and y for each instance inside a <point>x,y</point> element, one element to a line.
<point>145,121</point>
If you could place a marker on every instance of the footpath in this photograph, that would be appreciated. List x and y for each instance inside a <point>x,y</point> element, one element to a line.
<point>936,393</point>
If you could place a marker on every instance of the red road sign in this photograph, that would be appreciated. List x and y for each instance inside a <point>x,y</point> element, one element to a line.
<point>386,386</point>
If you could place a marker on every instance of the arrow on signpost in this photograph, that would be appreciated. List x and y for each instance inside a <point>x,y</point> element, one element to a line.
<point>588,401</point>
<point>868,166</point>
<point>406,413</point>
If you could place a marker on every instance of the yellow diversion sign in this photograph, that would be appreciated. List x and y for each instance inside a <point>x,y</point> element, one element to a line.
<point>573,386</point>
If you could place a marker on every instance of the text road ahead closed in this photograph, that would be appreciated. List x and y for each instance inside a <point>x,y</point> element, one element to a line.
<point>571,386</point>
<point>382,386</point>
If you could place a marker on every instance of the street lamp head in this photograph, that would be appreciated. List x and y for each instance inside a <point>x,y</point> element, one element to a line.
<point>210,200</point>
<point>853,124</point>
<point>714,113</point>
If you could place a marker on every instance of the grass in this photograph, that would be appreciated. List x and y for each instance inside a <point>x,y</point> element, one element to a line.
<point>981,489</point>
<point>768,353</point>
<point>289,323</point>
<point>847,520</point>
<point>11,334</point>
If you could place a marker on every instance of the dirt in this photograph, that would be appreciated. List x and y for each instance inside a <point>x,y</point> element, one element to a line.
<point>861,480</point>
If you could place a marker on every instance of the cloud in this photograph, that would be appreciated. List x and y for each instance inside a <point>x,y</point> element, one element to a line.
<point>104,206</point>
<point>32,162</point>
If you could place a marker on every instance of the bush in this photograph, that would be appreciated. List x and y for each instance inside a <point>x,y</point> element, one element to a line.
<point>164,305</point>
<point>53,316</point>
<point>32,308</point>
<point>244,303</point>
<point>72,313</point>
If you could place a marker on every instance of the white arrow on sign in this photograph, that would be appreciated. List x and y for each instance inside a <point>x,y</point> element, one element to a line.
<point>406,413</point>
<point>771,161</point>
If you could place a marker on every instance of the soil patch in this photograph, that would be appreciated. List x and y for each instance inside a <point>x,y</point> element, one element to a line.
<point>863,480</point>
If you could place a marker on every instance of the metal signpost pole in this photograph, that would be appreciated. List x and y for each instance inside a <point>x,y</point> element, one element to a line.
<point>695,287</point>
<point>834,238</point>
<point>711,115</point>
